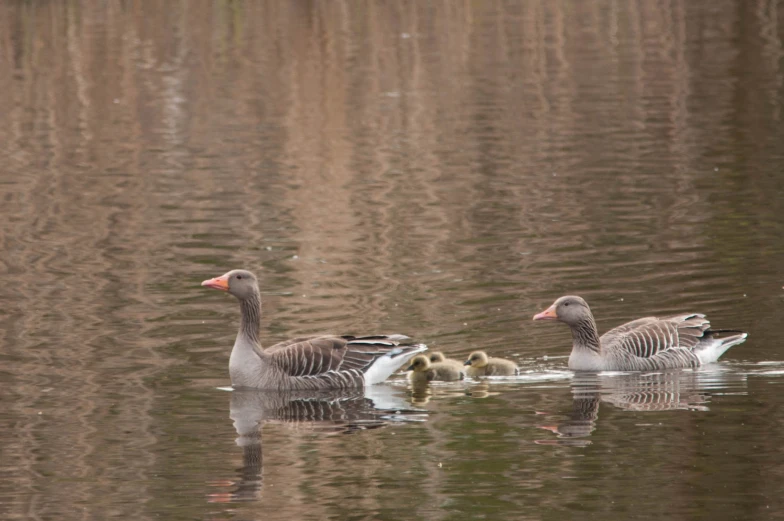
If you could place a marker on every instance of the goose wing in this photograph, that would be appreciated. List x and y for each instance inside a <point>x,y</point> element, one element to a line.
<point>652,336</point>
<point>292,341</point>
<point>318,355</point>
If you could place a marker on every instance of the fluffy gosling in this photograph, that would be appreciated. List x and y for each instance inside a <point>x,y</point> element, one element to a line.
<point>437,357</point>
<point>480,365</point>
<point>422,371</point>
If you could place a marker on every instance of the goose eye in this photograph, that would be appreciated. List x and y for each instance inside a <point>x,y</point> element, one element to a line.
<point>239,277</point>
<point>566,303</point>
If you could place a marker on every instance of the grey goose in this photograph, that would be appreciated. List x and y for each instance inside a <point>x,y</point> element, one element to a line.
<point>422,370</point>
<point>644,344</point>
<point>307,363</point>
<point>479,364</point>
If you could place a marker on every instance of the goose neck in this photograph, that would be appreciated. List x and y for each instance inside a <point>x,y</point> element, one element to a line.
<point>250,318</point>
<point>585,335</point>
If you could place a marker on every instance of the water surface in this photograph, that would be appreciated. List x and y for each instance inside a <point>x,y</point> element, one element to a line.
<point>437,169</point>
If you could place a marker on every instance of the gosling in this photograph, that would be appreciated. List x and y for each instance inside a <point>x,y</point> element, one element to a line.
<point>437,357</point>
<point>480,365</point>
<point>422,371</point>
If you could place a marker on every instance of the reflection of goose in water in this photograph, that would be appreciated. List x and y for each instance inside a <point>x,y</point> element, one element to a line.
<point>329,412</point>
<point>580,424</point>
<point>663,391</point>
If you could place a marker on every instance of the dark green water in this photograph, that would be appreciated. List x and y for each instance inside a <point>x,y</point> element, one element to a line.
<point>441,169</point>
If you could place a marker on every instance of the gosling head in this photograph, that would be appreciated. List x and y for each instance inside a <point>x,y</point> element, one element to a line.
<point>570,310</point>
<point>436,357</point>
<point>240,283</point>
<point>419,363</point>
<point>477,359</point>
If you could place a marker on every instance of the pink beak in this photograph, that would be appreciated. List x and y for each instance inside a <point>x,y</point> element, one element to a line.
<point>221,283</point>
<point>547,314</point>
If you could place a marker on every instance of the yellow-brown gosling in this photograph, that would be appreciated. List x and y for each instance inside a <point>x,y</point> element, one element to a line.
<point>422,371</point>
<point>480,365</point>
<point>437,357</point>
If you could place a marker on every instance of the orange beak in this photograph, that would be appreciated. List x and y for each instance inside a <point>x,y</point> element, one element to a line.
<point>547,314</point>
<point>221,283</point>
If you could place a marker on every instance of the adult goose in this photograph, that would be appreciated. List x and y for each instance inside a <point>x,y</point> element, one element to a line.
<point>308,363</point>
<point>479,364</point>
<point>644,344</point>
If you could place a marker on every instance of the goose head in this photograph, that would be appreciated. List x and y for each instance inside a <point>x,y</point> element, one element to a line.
<point>241,283</point>
<point>477,359</point>
<point>437,356</point>
<point>570,310</point>
<point>419,363</point>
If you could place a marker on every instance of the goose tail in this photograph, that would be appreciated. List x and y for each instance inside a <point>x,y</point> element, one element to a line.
<point>711,348</point>
<point>391,361</point>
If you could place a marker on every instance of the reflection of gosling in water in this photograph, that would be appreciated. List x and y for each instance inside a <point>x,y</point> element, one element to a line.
<point>437,357</point>
<point>480,365</point>
<point>421,370</point>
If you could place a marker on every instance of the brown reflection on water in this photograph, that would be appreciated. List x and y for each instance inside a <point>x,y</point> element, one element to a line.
<point>437,169</point>
<point>638,392</point>
<point>306,417</point>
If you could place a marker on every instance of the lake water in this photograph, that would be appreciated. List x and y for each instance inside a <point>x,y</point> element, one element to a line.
<point>440,169</point>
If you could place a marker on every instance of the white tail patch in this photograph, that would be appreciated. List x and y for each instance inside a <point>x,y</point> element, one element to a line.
<point>390,362</point>
<point>387,398</point>
<point>708,351</point>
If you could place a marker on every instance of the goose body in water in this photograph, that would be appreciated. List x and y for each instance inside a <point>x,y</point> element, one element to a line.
<point>645,344</point>
<point>308,363</point>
